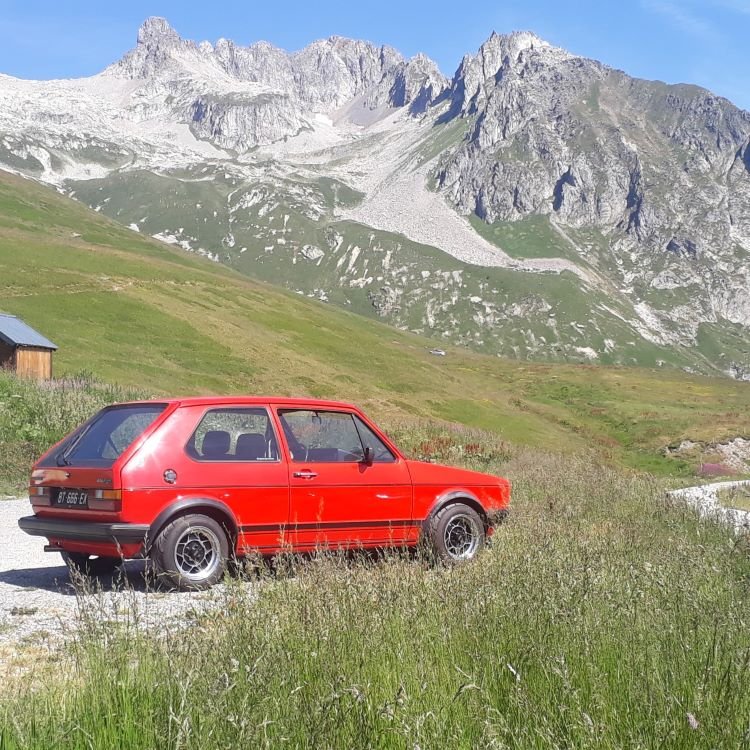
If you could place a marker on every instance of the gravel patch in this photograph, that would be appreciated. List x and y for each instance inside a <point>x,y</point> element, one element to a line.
<point>39,603</point>
<point>705,500</point>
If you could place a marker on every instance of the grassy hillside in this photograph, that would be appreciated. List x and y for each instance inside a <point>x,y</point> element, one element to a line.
<point>290,233</point>
<point>621,620</point>
<point>142,314</point>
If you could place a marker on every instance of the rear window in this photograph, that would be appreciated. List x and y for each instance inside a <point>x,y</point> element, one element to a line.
<point>106,437</point>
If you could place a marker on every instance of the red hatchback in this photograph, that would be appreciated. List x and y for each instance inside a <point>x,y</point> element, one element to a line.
<point>190,483</point>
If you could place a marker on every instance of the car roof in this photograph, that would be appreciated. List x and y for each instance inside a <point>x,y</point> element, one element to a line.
<point>249,401</point>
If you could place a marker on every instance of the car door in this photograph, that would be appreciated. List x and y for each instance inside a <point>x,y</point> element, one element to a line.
<point>336,498</point>
<point>234,458</point>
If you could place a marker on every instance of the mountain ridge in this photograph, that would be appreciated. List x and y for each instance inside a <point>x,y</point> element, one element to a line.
<point>343,171</point>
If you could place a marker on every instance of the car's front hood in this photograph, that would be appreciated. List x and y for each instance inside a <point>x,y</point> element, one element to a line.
<point>428,473</point>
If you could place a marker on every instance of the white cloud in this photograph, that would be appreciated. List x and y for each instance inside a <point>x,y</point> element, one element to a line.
<point>682,16</point>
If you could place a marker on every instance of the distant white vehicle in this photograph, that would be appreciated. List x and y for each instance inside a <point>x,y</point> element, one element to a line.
<point>438,352</point>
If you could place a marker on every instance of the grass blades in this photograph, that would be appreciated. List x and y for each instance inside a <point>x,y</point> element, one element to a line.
<point>599,618</point>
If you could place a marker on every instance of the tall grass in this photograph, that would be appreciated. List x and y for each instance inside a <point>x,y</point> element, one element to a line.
<point>36,414</point>
<point>600,617</point>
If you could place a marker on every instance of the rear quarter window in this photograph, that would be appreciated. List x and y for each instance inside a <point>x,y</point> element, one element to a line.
<point>234,434</point>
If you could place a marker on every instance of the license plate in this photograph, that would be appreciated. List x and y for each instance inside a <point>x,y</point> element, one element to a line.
<point>72,499</point>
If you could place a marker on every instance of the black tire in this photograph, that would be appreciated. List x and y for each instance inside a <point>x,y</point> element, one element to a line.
<point>83,564</point>
<point>456,533</point>
<point>190,553</point>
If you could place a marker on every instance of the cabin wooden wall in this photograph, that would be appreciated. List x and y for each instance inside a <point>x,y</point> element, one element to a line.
<point>34,363</point>
<point>7,356</point>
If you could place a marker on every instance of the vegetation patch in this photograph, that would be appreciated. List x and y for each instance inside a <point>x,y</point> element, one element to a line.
<point>129,310</point>
<point>598,618</point>
<point>34,416</point>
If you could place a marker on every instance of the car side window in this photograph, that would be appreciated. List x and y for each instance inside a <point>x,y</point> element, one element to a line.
<point>234,434</point>
<point>380,451</point>
<point>321,436</point>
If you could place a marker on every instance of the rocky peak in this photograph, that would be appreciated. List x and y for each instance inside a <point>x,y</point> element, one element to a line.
<point>154,53</point>
<point>323,76</point>
<point>156,31</point>
<point>650,165</point>
<point>210,87</point>
<point>417,83</point>
<point>500,55</point>
<point>330,72</point>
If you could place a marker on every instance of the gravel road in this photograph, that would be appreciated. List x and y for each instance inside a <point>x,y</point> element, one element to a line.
<point>38,603</point>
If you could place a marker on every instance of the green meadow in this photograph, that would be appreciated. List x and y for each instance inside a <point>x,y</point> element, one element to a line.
<point>137,313</point>
<point>601,616</point>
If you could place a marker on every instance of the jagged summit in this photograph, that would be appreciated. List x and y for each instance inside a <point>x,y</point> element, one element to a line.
<point>240,97</point>
<point>156,29</point>
<point>499,56</point>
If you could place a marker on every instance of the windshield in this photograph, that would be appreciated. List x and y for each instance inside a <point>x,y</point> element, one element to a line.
<point>108,435</point>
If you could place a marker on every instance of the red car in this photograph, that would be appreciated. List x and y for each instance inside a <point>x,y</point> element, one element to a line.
<point>189,483</point>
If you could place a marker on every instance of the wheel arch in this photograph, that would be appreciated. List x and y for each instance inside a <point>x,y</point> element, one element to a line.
<point>457,497</point>
<point>214,509</point>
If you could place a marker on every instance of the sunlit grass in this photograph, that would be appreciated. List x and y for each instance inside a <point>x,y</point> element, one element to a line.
<point>735,497</point>
<point>145,315</point>
<point>599,618</point>
<point>35,415</point>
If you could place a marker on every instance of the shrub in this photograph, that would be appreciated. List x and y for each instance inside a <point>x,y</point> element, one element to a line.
<point>36,414</point>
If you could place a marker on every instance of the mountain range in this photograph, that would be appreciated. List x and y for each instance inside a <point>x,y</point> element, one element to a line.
<point>537,204</point>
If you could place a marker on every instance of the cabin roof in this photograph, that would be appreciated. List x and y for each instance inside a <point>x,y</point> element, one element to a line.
<point>15,332</point>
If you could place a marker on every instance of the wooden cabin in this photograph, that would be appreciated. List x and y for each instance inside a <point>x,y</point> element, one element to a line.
<point>24,350</point>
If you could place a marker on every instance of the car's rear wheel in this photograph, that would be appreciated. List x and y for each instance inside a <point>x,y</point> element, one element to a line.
<point>455,533</point>
<point>83,564</point>
<point>191,552</point>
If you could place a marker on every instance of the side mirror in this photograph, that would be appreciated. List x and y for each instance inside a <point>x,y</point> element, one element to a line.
<point>369,457</point>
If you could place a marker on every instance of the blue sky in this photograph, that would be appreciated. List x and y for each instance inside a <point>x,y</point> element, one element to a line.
<point>695,41</point>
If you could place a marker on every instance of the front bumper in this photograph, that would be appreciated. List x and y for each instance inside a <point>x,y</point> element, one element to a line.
<point>78,531</point>
<point>496,517</point>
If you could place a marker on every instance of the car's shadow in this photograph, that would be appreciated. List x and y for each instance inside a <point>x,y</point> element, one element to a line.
<point>129,577</point>
<point>132,576</point>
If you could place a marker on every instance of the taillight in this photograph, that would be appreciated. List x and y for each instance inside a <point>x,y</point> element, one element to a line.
<point>110,500</point>
<point>39,495</point>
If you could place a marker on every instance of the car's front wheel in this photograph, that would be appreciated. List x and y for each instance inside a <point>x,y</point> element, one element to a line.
<point>455,533</point>
<point>191,552</point>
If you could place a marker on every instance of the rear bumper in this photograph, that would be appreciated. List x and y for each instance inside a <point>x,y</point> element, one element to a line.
<point>78,531</point>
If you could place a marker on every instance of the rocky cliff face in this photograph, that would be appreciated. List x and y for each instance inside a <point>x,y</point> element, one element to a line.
<point>661,170</point>
<point>266,94</point>
<point>565,136</point>
<point>536,204</point>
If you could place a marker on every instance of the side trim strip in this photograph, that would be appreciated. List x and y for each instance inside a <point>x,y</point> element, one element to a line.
<point>329,525</point>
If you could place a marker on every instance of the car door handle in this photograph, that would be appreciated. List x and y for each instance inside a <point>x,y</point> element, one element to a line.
<point>305,474</point>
